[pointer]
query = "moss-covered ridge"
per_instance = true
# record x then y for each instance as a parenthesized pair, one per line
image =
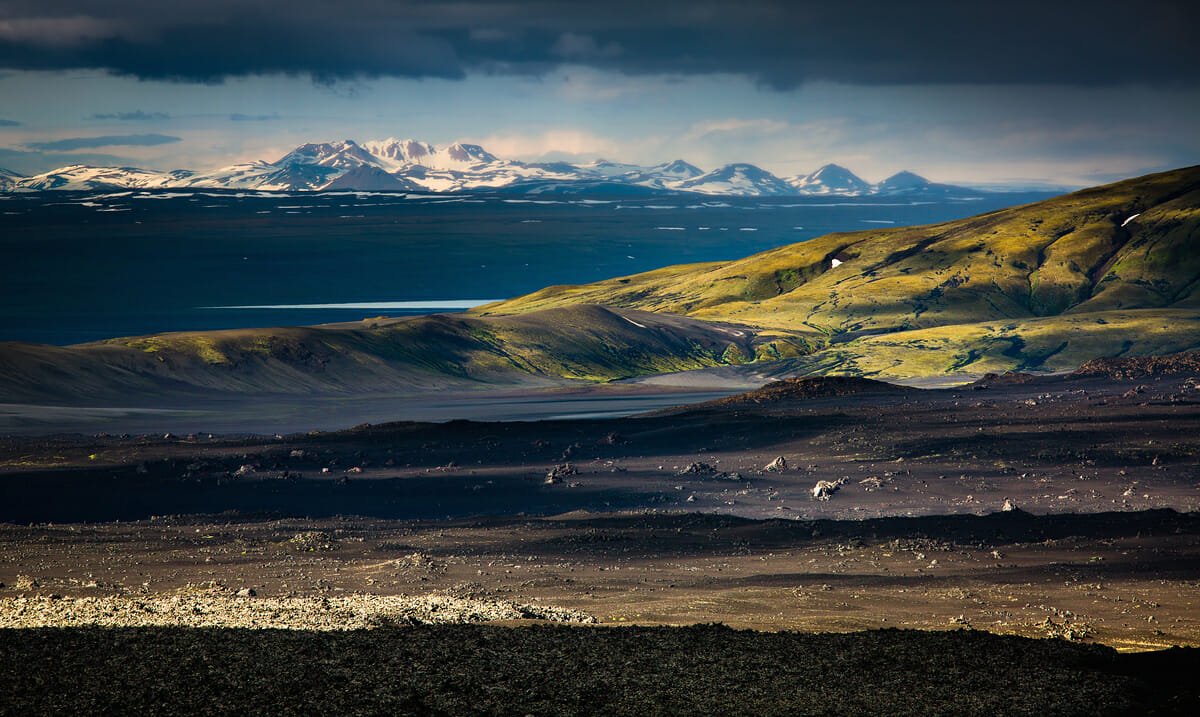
(1133, 244)
(1112, 270)
(583, 342)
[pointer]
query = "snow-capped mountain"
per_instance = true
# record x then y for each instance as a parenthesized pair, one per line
(738, 179)
(83, 177)
(406, 165)
(906, 183)
(679, 169)
(396, 154)
(830, 179)
(8, 180)
(338, 155)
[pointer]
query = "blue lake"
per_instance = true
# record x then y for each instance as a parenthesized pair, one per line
(80, 267)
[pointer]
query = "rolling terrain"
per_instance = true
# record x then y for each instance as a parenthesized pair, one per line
(1108, 271)
(581, 343)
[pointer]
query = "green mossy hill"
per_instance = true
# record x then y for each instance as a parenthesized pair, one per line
(583, 342)
(1108, 271)
(966, 351)
(1130, 245)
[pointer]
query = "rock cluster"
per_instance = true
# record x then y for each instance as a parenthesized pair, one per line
(244, 609)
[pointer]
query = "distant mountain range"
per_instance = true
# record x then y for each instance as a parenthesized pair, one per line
(409, 165)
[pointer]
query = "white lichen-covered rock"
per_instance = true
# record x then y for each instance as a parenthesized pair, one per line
(826, 488)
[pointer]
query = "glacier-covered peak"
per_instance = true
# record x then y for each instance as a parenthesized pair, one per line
(831, 179)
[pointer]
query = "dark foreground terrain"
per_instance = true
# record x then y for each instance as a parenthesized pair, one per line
(545, 670)
(972, 519)
(1125, 437)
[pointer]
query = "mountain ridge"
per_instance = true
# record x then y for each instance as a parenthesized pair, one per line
(421, 167)
(1111, 270)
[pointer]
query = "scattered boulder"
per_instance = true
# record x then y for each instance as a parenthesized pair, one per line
(1135, 367)
(777, 466)
(807, 387)
(613, 439)
(558, 472)
(244, 470)
(419, 562)
(1009, 506)
(1135, 391)
(246, 592)
(702, 469)
(313, 541)
(826, 488)
(25, 582)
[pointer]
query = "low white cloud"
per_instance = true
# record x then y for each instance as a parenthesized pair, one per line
(734, 126)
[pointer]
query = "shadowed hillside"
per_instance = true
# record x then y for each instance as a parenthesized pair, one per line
(587, 343)
(1042, 286)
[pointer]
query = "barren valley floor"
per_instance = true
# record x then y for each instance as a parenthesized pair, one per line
(664, 519)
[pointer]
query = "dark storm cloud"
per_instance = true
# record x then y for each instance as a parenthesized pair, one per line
(30, 163)
(779, 42)
(135, 116)
(127, 140)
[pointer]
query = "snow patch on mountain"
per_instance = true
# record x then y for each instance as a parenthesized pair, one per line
(9, 179)
(910, 184)
(370, 179)
(84, 177)
(830, 179)
(738, 179)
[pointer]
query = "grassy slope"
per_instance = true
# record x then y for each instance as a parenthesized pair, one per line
(1027, 287)
(1045, 286)
(588, 342)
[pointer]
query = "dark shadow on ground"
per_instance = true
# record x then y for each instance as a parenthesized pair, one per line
(551, 670)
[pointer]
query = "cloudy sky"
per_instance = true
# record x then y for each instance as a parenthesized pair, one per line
(1065, 92)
